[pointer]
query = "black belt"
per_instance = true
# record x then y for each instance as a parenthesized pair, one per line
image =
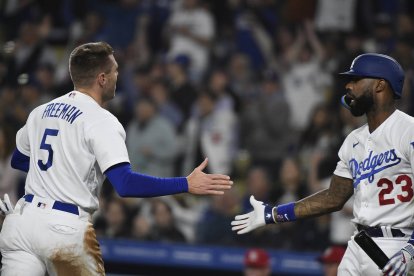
(376, 231)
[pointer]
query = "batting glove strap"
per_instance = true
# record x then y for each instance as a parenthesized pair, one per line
(268, 214)
(409, 249)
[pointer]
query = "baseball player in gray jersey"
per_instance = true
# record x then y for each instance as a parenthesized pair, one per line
(376, 165)
(68, 146)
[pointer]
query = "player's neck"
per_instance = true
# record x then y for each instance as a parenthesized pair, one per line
(91, 93)
(376, 117)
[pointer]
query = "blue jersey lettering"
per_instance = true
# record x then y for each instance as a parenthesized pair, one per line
(47, 110)
(373, 164)
(74, 116)
(69, 113)
(62, 111)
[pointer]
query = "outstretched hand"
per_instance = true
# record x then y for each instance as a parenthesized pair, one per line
(200, 183)
(6, 206)
(252, 220)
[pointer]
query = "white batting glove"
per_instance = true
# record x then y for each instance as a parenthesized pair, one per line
(6, 206)
(261, 215)
(401, 262)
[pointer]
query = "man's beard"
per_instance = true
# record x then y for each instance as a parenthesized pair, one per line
(361, 105)
(108, 95)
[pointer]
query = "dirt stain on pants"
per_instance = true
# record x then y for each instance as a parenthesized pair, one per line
(88, 262)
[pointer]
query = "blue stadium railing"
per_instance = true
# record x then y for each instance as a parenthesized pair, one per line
(203, 257)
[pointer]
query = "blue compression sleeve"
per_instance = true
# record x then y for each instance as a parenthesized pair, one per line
(20, 161)
(131, 184)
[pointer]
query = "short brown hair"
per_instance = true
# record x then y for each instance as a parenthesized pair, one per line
(88, 60)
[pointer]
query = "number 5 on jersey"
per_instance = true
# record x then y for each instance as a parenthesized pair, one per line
(48, 147)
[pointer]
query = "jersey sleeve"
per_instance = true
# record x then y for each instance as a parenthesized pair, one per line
(342, 168)
(22, 141)
(106, 139)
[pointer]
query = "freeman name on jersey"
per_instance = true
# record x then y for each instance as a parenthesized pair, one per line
(372, 165)
(63, 111)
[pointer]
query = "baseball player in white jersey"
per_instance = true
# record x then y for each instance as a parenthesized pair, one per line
(68, 146)
(376, 165)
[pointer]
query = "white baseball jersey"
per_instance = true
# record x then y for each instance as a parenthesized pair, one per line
(381, 166)
(71, 141)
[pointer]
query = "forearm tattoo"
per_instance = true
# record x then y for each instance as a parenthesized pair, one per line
(326, 201)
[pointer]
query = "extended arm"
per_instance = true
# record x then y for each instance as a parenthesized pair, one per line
(131, 184)
(320, 203)
(326, 201)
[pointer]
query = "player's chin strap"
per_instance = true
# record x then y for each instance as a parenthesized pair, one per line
(344, 101)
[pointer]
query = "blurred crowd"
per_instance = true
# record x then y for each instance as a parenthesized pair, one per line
(250, 84)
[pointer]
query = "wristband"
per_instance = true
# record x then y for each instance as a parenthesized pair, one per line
(286, 212)
(409, 248)
(268, 214)
(411, 240)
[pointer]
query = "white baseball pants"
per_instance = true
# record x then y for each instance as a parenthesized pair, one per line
(36, 239)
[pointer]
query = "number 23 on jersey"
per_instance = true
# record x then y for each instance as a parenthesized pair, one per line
(406, 194)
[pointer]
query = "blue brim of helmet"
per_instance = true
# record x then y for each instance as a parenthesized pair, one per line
(351, 74)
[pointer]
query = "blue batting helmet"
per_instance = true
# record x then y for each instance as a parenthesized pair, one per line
(378, 66)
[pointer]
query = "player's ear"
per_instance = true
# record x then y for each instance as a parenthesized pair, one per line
(102, 79)
(380, 85)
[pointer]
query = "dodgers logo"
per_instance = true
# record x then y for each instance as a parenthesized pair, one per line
(371, 165)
